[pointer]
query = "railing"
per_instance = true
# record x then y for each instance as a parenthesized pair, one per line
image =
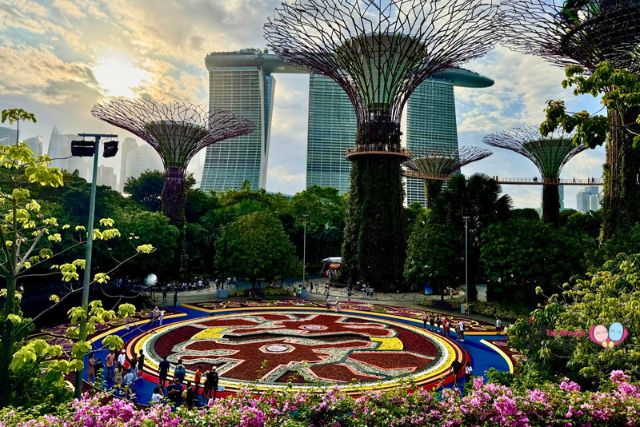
(512, 181)
(378, 150)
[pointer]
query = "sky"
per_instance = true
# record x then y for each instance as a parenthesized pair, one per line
(60, 57)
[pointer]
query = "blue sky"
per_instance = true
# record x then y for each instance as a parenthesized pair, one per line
(59, 57)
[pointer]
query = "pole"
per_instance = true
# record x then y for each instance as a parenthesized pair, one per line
(304, 250)
(466, 261)
(82, 336)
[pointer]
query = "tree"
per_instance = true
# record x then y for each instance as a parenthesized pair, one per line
(146, 189)
(433, 256)
(29, 238)
(155, 229)
(477, 198)
(324, 210)
(254, 247)
(620, 94)
(519, 255)
(610, 295)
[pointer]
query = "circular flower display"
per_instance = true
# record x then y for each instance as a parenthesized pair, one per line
(303, 348)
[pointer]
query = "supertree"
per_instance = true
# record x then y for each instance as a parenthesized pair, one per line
(379, 51)
(177, 131)
(585, 33)
(441, 164)
(549, 154)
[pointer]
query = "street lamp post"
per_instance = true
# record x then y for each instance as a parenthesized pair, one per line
(466, 261)
(304, 249)
(84, 149)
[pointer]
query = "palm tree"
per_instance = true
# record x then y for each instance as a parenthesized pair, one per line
(479, 198)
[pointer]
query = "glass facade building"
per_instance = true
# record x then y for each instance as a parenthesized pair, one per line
(248, 92)
(242, 82)
(429, 127)
(331, 131)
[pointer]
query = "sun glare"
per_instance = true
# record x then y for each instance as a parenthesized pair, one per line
(117, 75)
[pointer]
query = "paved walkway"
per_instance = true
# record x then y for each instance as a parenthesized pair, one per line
(409, 300)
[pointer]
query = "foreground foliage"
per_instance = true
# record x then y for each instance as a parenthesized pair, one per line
(610, 295)
(484, 404)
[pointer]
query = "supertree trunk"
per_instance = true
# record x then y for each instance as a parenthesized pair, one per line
(431, 190)
(621, 198)
(550, 204)
(374, 246)
(173, 200)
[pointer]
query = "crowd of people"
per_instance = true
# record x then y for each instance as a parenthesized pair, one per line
(120, 374)
(435, 322)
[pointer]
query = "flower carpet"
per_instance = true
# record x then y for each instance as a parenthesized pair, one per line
(301, 346)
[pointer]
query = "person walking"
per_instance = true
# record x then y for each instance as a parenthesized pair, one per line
(134, 364)
(160, 317)
(424, 320)
(163, 371)
(164, 296)
(122, 357)
(461, 330)
(175, 298)
(498, 326)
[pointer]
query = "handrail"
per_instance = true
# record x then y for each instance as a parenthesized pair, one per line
(512, 181)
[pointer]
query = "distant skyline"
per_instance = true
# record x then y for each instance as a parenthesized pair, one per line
(59, 57)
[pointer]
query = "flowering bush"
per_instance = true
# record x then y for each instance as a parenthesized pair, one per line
(484, 404)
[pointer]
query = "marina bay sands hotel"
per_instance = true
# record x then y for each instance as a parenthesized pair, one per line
(243, 82)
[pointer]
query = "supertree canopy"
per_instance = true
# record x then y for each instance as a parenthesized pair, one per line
(379, 51)
(587, 32)
(440, 164)
(583, 32)
(549, 154)
(177, 131)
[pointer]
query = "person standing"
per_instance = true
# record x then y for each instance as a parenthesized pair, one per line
(175, 393)
(91, 371)
(134, 364)
(214, 381)
(140, 364)
(468, 373)
(461, 328)
(498, 325)
(180, 371)
(190, 398)
(455, 368)
(175, 298)
(424, 319)
(164, 371)
(122, 357)
(110, 365)
(160, 317)
(164, 295)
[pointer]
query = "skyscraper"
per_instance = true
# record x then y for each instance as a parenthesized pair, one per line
(588, 199)
(428, 126)
(241, 82)
(128, 145)
(7, 135)
(107, 176)
(36, 144)
(331, 131)
(60, 149)
(141, 159)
